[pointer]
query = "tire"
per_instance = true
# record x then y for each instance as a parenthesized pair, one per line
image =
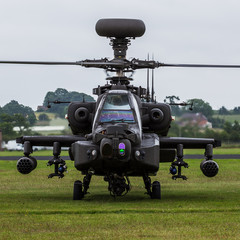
(77, 190)
(156, 190)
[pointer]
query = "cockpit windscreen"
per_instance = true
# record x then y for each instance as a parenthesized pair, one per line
(117, 108)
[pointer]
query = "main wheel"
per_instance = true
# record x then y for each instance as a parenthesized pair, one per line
(77, 190)
(156, 190)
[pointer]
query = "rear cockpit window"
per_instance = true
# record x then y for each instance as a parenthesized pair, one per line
(116, 108)
(116, 102)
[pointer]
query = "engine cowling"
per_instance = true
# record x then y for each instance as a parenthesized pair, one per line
(156, 117)
(80, 116)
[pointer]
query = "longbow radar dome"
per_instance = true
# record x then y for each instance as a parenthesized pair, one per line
(120, 28)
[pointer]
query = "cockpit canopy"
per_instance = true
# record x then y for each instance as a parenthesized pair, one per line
(116, 108)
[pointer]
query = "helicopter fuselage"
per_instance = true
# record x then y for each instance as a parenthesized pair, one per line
(117, 143)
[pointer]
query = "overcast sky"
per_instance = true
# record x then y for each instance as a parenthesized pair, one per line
(177, 31)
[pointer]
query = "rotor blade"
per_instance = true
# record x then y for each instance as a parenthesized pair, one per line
(39, 62)
(100, 64)
(86, 63)
(198, 65)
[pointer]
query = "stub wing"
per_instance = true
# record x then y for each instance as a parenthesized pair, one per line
(171, 148)
(64, 140)
(189, 143)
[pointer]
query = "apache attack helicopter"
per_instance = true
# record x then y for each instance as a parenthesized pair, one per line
(123, 133)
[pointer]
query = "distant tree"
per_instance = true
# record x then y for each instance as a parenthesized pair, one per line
(6, 126)
(7, 131)
(227, 127)
(8, 122)
(5, 118)
(62, 94)
(175, 130)
(43, 117)
(217, 122)
(233, 131)
(199, 106)
(236, 126)
(223, 111)
(21, 122)
(31, 119)
(172, 99)
(14, 107)
(236, 110)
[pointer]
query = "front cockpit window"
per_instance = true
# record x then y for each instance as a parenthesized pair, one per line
(117, 116)
(116, 108)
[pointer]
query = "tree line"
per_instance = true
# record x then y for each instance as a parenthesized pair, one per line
(222, 130)
(23, 117)
(62, 94)
(17, 115)
(198, 106)
(230, 133)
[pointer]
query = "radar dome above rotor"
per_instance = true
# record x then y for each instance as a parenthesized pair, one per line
(120, 28)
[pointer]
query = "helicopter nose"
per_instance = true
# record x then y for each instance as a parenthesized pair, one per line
(115, 148)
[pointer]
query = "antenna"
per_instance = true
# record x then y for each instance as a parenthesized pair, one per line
(148, 92)
(152, 98)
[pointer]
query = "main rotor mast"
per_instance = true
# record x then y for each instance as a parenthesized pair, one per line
(120, 32)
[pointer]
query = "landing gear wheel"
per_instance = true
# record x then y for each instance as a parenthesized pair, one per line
(156, 190)
(77, 190)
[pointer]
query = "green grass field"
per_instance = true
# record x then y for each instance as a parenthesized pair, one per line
(229, 118)
(35, 207)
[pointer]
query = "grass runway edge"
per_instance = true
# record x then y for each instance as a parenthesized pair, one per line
(34, 207)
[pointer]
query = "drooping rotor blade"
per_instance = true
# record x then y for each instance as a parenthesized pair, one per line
(104, 64)
(197, 65)
(120, 64)
(39, 62)
(101, 63)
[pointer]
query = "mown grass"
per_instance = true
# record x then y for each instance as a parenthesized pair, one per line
(228, 118)
(34, 207)
(216, 151)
